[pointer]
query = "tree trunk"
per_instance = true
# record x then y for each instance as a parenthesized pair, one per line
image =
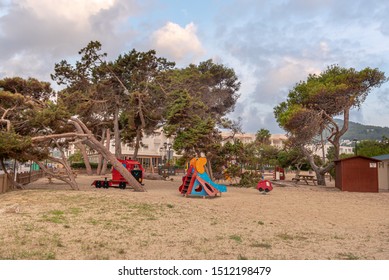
(137, 143)
(99, 165)
(100, 159)
(92, 142)
(84, 154)
(209, 169)
(320, 171)
(107, 144)
(70, 178)
(139, 128)
(298, 167)
(321, 181)
(118, 146)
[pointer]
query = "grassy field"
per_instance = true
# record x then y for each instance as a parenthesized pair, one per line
(51, 222)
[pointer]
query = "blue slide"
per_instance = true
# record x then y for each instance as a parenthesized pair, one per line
(205, 177)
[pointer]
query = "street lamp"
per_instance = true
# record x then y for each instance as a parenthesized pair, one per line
(162, 157)
(167, 148)
(356, 146)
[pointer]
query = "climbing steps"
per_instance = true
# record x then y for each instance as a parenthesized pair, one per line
(187, 181)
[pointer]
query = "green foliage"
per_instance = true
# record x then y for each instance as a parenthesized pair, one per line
(51, 115)
(9, 100)
(27, 87)
(309, 111)
(76, 158)
(14, 146)
(249, 179)
(312, 104)
(263, 136)
(236, 238)
(81, 165)
(292, 158)
(143, 74)
(197, 100)
(195, 137)
(234, 170)
(371, 148)
(125, 94)
(27, 113)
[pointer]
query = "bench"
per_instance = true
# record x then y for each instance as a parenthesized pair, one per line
(305, 178)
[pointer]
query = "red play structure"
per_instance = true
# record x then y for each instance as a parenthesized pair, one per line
(133, 166)
(264, 186)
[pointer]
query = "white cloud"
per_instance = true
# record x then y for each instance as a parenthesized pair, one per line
(324, 47)
(72, 10)
(35, 34)
(271, 45)
(178, 43)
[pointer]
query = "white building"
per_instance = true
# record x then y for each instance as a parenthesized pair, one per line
(156, 149)
(318, 150)
(276, 140)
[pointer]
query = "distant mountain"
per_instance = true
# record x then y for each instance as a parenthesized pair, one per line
(363, 132)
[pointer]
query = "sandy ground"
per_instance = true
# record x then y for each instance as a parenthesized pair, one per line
(49, 221)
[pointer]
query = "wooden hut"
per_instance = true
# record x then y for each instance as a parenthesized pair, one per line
(383, 173)
(357, 174)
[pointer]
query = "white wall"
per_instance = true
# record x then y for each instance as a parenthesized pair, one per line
(383, 176)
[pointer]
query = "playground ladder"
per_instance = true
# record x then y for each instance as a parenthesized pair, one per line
(188, 181)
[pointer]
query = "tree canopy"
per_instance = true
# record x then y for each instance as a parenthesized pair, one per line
(371, 148)
(125, 94)
(312, 105)
(132, 95)
(198, 98)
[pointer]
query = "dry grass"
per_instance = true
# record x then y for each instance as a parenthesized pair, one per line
(52, 222)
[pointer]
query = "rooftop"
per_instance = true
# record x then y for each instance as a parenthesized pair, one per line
(382, 157)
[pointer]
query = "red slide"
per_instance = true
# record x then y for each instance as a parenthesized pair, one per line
(211, 191)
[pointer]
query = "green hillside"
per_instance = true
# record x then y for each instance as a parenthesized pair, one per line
(364, 132)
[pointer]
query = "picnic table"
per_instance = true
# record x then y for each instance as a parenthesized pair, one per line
(305, 178)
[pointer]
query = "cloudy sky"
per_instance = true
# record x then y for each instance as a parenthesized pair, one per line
(271, 45)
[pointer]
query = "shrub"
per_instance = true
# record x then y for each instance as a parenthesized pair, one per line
(249, 180)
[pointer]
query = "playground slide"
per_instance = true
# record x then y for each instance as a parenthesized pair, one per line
(205, 187)
(197, 181)
(204, 176)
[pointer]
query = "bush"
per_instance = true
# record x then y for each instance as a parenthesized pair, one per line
(233, 170)
(249, 180)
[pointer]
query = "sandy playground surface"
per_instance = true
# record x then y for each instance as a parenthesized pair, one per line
(50, 221)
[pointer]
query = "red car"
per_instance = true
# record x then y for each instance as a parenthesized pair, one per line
(264, 186)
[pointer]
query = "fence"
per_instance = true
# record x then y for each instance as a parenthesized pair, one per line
(22, 178)
(28, 177)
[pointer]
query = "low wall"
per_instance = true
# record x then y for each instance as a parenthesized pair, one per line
(22, 178)
(4, 183)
